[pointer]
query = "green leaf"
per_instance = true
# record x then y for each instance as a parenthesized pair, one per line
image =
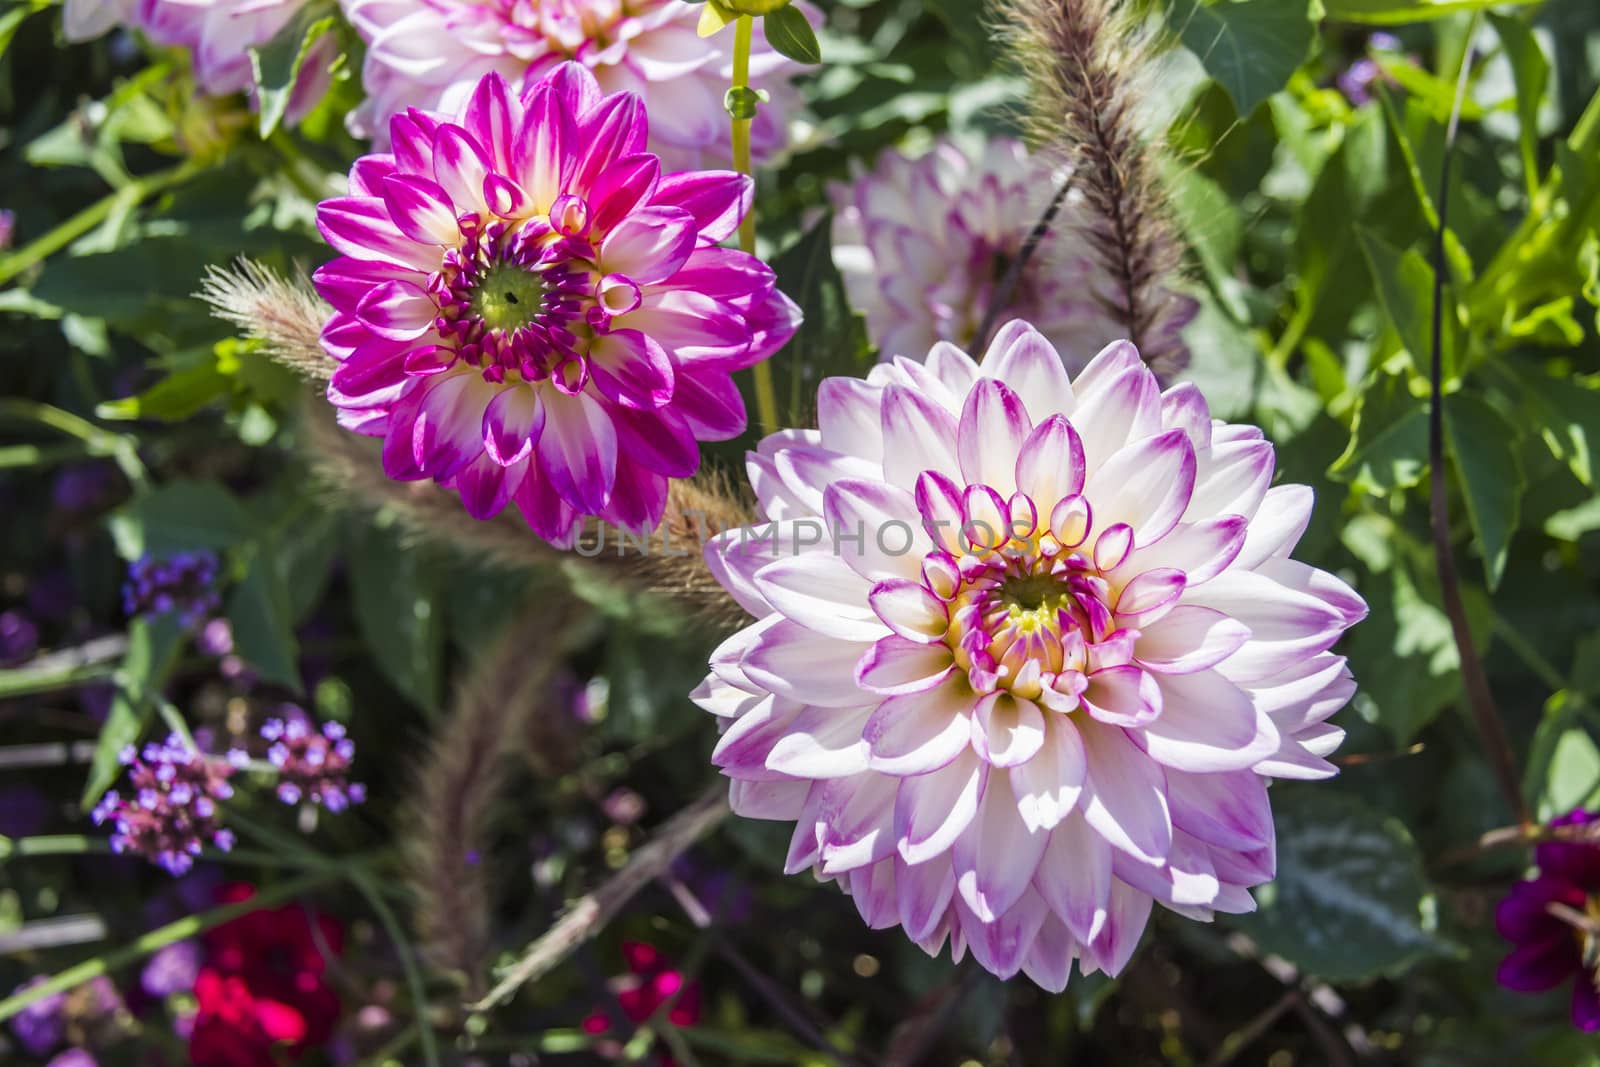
(263, 633)
(153, 648)
(1531, 72)
(176, 397)
(1250, 47)
(1404, 283)
(1388, 448)
(1573, 777)
(178, 517)
(398, 606)
(1350, 901)
(1483, 445)
(833, 339)
(1395, 12)
(788, 31)
(1567, 412)
(276, 66)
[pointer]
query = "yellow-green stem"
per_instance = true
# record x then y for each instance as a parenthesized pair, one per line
(743, 31)
(135, 192)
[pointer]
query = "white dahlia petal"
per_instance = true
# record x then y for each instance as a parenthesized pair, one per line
(1034, 659)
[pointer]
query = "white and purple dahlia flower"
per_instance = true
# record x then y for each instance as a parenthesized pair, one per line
(218, 35)
(1027, 649)
(529, 311)
(926, 243)
(431, 53)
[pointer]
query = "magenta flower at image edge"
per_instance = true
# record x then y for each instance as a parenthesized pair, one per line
(1018, 743)
(1549, 949)
(529, 312)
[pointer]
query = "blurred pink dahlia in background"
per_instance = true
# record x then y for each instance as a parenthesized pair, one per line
(431, 53)
(217, 34)
(527, 310)
(924, 245)
(1026, 651)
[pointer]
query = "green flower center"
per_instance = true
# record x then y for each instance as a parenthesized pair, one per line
(1034, 602)
(508, 298)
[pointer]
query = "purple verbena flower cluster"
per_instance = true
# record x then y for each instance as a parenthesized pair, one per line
(313, 765)
(171, 811)
(186, 584)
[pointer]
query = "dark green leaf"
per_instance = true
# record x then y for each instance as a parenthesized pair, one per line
(178, 517)
(263, 634)
(398, 605)
(1250, 47)
(1404, 283)
(277, 65)
(788, 31)
(153, 648)
(1483, 445)
(1395, 12)
(832, 340)
(1349, 901)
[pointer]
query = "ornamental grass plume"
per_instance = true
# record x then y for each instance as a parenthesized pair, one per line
(946, 246)
(432, 53)
(1083, 59)
(529, 312)
(1550, 920)
(1026, 651)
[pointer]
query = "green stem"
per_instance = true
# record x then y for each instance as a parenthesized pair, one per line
(134, 193)
(408, 963)
(24, 682)
(160, 938)
(122, 447)
(81, 845)
(13, 457)
(743, 32)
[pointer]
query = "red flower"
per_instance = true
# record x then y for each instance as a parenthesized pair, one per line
(263, 986)
(650, 983)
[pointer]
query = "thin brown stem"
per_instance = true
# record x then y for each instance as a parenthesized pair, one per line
(1475, 682)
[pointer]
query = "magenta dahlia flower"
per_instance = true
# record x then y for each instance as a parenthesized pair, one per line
(1026, 651)
(925, 243)
(431, 54)
(529, 311)
(1550, 920)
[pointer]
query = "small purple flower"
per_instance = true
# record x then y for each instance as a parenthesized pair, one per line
(1356, 80)
(39, 1027)
(19, 638)
(1549, 918)
(170, 812)
(171, 970)
(8, 228)
(186, 584)
(313, 766)
(83, 487)
(215, 638)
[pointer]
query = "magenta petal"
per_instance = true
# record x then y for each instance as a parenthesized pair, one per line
(1541, 965)
(360, 227)
(616, 128)
(485, 487)
(577, 449)
(895, 666)
(649, 245)
(574, 85)
(421, 209)
(660, 440)
(717, 200)
(459, 166)
(994, 425)
(543, 155)
(398, 311)
(511, 423)
(492, 117)
(631, 369)
(620, 189)
(1585, 1005)
(710, 404)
